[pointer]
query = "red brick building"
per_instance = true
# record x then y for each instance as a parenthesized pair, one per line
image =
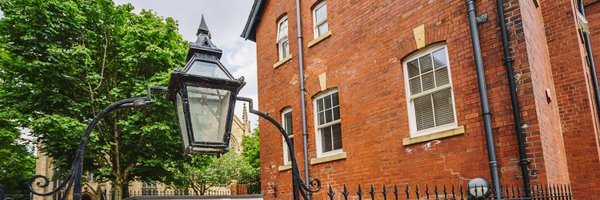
(392, 94)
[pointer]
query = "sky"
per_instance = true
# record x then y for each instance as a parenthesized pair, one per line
(226, 20)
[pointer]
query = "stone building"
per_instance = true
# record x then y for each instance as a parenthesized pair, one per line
(392, 95)
(93, 190)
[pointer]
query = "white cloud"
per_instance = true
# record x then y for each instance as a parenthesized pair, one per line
(241, 61)
(226, 20)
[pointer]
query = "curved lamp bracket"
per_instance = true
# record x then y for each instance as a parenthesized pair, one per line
(73, 179)
(299, 187)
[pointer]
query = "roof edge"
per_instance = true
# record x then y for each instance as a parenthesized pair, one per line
(249, 32)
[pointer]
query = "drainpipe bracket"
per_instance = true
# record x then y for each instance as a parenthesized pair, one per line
(508, 60)
(483, 18)
(524, 162)
(525, 125)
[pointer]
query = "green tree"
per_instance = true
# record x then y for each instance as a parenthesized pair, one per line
(16, 163)
(62, 61)
(201, 173)
(251, 155)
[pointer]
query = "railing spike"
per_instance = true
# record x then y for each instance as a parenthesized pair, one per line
(359, 193)
(558, 189)
(395, 192)
(345, 192)
(427, 190)
(561, 190)
(331, 193)
(512, 188)
(384, 192)
(372, 192)
(417, 192)
(407, 191)
(445, 193)
(435, 189)
(453, 192)
(570, 192)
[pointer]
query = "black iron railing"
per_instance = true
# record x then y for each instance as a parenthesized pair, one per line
(447, 192)
(173, 192)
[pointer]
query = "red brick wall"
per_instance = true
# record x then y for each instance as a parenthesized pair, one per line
(575, 100)
(363, 60)
(592, 10)
(549, 138)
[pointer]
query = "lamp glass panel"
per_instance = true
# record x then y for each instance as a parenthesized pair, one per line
(208, 112)
(207, 69)
(181, 120)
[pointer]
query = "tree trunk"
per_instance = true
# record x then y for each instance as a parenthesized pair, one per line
(118, 190)
(125, 189)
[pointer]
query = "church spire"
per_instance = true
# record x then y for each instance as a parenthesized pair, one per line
(246, 121)
(203, 28)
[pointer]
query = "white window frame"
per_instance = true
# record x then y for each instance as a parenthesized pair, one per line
(283, 38)
(286, 155)
(409, 99)
(318, 137)
(316, 23)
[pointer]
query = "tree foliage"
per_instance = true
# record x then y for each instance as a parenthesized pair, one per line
(251, 154)
(202, 172)
(63, 61)
(16, 163)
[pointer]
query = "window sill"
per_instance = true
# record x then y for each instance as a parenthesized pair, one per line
(319, 39)
(284, 167)
(339, 156)
(283, 61)
(434, 136)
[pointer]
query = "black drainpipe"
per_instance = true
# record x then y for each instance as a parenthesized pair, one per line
(302, 97)
(485, 107)
(590, 58)
(514, 100)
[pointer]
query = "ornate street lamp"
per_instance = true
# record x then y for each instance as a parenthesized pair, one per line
(204, 95)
